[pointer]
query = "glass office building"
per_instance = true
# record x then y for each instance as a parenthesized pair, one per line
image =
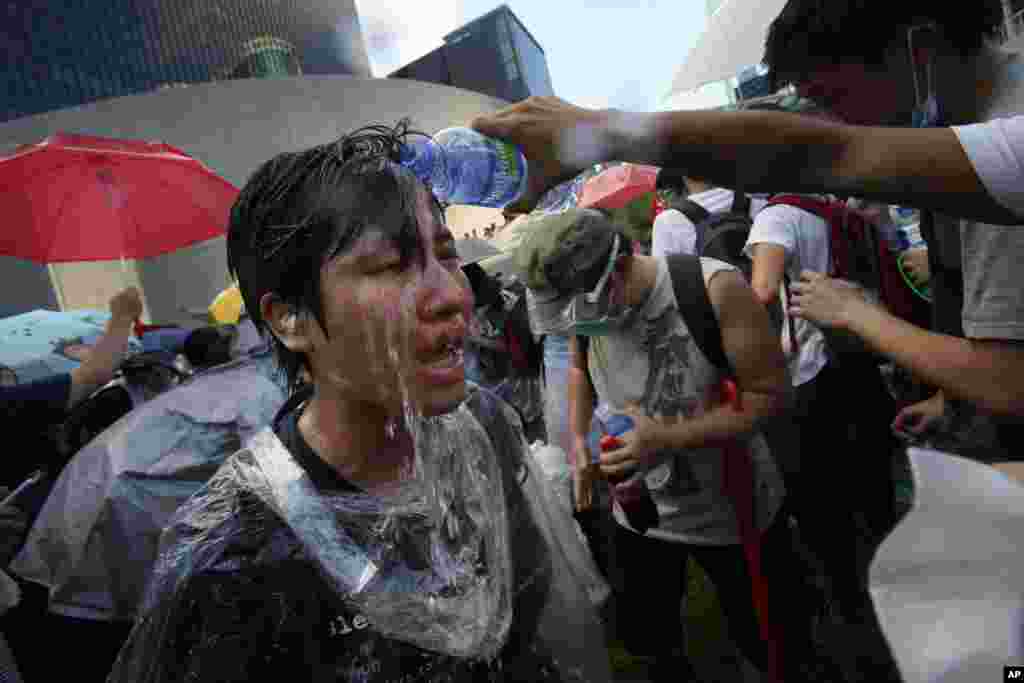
(63, 53)
(494, 55)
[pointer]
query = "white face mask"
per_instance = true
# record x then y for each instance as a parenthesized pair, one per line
(927, 112)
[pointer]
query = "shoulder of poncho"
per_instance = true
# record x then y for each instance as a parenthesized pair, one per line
(498, 418)
(229, 516)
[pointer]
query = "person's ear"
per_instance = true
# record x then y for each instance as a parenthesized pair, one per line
(292, 328)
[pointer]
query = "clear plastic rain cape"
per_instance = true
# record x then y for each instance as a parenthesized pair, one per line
(95, 539)
(453, 574)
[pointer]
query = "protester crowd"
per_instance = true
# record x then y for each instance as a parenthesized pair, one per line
(390, 523)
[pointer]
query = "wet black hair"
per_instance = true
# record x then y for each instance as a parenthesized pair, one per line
(300, 210)
(810, 33)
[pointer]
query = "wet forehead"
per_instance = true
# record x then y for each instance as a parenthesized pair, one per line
(375, 241)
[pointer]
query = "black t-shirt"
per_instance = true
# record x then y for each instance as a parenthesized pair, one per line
(286, 426)
(269, 612)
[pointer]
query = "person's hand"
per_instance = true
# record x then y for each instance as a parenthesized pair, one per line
(920, 417)
(584, 474)
(915, 262)
(126, 306)
(13, 527)
(583, 478)
(558, 139)
(827, 302)
(637, 448)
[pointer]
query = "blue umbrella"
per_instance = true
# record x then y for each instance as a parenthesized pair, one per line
(32, 344)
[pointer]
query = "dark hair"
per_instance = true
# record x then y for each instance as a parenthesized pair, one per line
(299, 210)
(207, 346)
(486, 289)
(791, 104)
(671, 179)
(808, 33)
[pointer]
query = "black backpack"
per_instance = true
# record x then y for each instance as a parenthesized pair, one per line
(152, 372)
(722, 236)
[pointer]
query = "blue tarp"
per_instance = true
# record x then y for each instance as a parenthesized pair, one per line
(30, 343)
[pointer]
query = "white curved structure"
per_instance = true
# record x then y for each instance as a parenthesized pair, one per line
(232, 126)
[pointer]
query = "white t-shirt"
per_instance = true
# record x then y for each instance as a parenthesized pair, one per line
(674, 233)
(996, 150)
(805, 237)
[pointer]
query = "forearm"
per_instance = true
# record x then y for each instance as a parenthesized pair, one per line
(723, 423)
(581, 407)
(103, 359)
(989, 374)
(758, 151)
(775, 152)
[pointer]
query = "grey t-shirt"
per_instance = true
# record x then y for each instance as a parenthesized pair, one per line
(657, 365)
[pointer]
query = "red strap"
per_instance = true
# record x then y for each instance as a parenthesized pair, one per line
(819, 207)
(738, 486)
(515, 349)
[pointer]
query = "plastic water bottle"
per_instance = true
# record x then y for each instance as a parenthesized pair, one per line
(907, 222)
(465, 167)
(631, 493)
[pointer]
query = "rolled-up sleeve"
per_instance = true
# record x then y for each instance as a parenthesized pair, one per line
(996, 150)
(673, 233)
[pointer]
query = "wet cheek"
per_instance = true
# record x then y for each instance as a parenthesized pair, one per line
(468, 299)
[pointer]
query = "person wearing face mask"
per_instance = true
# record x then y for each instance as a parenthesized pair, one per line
(642, 360)
(858, 59)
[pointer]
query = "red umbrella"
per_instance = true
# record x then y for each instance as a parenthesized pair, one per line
(618, 186)
(85, 198)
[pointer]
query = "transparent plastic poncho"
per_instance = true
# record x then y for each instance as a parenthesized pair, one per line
(460, 558)
(95, 539)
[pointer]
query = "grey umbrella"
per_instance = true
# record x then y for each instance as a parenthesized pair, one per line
(474, 249)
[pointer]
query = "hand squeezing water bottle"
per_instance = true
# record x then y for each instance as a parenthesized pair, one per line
(630, 492)
(464, 167)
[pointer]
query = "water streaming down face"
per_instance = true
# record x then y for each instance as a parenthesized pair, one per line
(444, 579)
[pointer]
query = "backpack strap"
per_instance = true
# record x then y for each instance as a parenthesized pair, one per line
(740, 203)
(790, 327)
(695, 308)
(693, 211)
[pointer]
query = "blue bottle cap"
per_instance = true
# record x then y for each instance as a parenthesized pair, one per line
(619, 424)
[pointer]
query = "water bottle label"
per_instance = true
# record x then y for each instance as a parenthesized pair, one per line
(483, 171)
(511, 172)
(903, 216)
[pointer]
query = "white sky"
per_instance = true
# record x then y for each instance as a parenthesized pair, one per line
(601, 53)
